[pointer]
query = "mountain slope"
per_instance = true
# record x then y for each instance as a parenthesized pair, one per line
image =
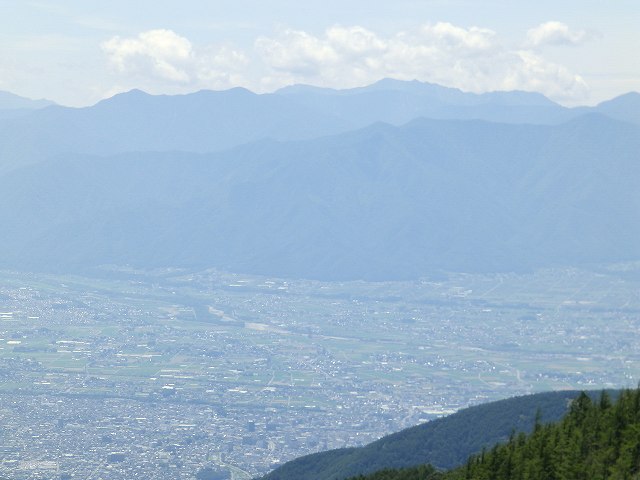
(13, 106)
(445, 442)
(204, 121)
(625, 107)
(380, 203)
(209, 121)
(596, 439)
(397, 102)
(10, 101)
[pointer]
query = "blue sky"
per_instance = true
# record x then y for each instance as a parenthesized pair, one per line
(77, 52)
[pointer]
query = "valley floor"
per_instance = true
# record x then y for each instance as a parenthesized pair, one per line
(177, 370)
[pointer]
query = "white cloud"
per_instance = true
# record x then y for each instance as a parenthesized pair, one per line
(555, 33)
(535, 74)
(165, 57)
(472, 59)
(297, 53)
(448, 37)
(160, 53)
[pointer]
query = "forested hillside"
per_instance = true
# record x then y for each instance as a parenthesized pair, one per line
(445, 442)
(596, 440)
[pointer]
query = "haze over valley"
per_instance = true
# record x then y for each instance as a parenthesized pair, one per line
(246, 244)
(125, 182)
(187, 312)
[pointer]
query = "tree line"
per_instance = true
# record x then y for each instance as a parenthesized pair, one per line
(597, 440)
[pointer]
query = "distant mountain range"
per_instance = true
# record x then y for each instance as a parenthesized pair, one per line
(444, 443)
(9, 101)
(210, 121)
(12, 106)
(310, 182)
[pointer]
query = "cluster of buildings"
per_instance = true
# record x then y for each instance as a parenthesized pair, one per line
(161, 378)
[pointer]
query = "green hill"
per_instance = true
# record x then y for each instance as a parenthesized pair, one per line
(596, 440)
(445, 442)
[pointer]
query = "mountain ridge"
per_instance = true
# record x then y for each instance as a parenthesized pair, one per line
(597, 438)
(11, 101)
(382, 202)
(445, 442)
(210, 121)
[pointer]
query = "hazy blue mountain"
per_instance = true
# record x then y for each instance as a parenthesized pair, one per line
(205, 121)
(445, 442)
(397, 102)
(379, 203)
(625, 107)
(14, 106)
(10, 101)
(452, 96)
(209, 121)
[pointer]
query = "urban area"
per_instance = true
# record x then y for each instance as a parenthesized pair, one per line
(160, 374)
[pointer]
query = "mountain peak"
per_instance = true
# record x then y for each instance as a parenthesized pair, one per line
(301, 89)
(518, 97)
(135, 95)
(11, 101)
(233, 90)
(628, 97)
(409, 86)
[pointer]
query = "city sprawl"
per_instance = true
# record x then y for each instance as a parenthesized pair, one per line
(159, 374)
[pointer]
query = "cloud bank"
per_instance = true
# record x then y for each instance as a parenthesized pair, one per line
(165, 57)
(472, 59)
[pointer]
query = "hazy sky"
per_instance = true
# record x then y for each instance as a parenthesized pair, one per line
(77, 52)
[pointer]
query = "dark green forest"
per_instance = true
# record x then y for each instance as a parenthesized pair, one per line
(597, 440)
